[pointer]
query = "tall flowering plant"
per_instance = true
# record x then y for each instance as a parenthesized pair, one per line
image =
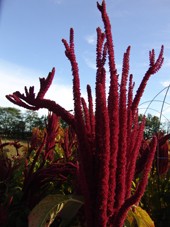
(109, 134)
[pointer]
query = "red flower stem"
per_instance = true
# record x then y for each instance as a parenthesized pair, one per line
(102, 158)
(91, 112)
(135, 198)
(86, 115)
(85, 155)
(121, 157)
(113, 108)
(133, 159)
(154, 67)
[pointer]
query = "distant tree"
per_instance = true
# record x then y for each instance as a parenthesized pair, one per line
(152, 125)
(18, 125)
(32, 120)
(166, 125)
(11, 122)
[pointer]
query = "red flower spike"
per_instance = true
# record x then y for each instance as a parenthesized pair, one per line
(32, 103)
(159, 62)
(99, 58)
(154, 67)
(133, 159)
(85, 159)
(105, 51)
(91, 113)
(132, 137)
(135, 198)
(86, 115)
(130, 92)
(65, 145)
(102, 158)
(71, 38)
(100, 41)
(30, 95)
(113, 108)
(108, 33)
(121, 156)
(17, 101)
(152, 57)
(51, 130)
(101, 52)
(45, 84)
(76, 81)
(129, 111)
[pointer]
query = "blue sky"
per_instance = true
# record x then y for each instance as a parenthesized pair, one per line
(30, 44)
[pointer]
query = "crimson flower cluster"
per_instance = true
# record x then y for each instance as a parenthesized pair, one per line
(109, 134)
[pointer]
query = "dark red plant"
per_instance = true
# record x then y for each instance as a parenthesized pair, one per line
(50, 169)
(162, 153)
(109, 136)
(51, 131)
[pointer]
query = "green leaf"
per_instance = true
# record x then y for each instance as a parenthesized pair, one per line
(142, 218)
(47, 209)
(69, 211)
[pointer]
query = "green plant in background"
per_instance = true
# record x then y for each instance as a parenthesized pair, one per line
(17, 125)
(156, 199)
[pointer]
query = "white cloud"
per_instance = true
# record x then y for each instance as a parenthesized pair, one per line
(165, 83)
(15, 78)
(91, 39)
(62, 95)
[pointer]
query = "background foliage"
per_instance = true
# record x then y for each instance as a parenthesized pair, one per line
(18, 125)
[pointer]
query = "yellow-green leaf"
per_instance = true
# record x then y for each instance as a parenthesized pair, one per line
(47, 209)
(142, 217)
(130, 220)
